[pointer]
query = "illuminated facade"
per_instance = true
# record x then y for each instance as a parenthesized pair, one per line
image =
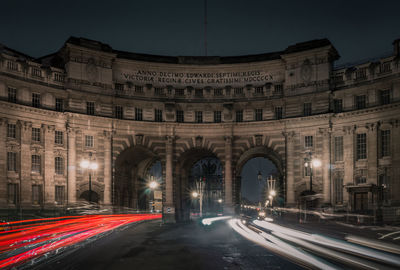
(127, 110)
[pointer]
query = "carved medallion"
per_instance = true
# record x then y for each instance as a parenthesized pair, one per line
(91, 70)
(306, 71)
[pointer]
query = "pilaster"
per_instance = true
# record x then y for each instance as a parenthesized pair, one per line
(107, 167)
(48, 170)
(71, 133)
(290, 194)
(228, 175)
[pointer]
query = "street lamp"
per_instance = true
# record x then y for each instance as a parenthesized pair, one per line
(271, 188)
(92, 166)
(311, 163)
(153, 185)
(199, 193)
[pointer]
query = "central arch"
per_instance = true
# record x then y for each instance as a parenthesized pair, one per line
(183, 175)
(256, 152)
(131, 173)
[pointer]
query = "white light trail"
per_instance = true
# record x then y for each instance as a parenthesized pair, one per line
(209, 221)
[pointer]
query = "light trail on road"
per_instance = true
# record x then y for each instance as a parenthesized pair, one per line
(317, 251)
(22, 241)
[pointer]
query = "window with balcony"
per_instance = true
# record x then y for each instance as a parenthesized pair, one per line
(36, 164)
(59, 165)
(307, 109)
(158, 117)
(138, 114)
(239, 116)
(90, 108)
(36, 100)
(217, 117)
(361, 146)
(12, 94)
(180, 117)
(198, 117)
(258, 114)
(36, 132)
(361, 102)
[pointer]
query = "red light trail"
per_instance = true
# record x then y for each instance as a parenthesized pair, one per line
(25, 240)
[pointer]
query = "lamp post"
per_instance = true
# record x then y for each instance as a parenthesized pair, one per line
(199, 193)
(259, 178)
(311, 163)
(92, 166)
(153, 184)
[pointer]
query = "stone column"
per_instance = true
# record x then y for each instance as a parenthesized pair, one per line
(228, 175)
(25, 164)
(372, 153)
(325, 163)
(169, 208)
(394, 185)
(107, 167)
(49, 169)
(71, 165)
(290, 157)
(348, 160)
(3, 162)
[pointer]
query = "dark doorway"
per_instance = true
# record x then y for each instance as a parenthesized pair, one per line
(361, 201)
(90, 196)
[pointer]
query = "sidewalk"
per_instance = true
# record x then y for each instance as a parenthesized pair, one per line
(338, 228)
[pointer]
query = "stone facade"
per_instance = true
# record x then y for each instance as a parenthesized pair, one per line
(126, 111)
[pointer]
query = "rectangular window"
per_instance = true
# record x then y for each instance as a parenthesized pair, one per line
(337, 105)
(258, 114)
(59, 165)
(361, 73)
(238, 91)
(12, 65)
(361, 177)
(384, 97)
(384, 67)
(11, 161)
(37, 194)
(307, 171)
(58, 77)
(59, 105)
(278, 113)
(360, 102)
(36, 164)
(138, 89)
(12, 193)
(12, 94)
(36, 100)
(308, 141)
(158, 117)
(278, 89)
(58, 137)
(179, 92)
(218, 92)
(307, 109)
(118, 112)
(198, 117)
(239, 116)
(338, 146)
(385, 143)
(11, 131)
(158, 91)
(138, 114)
(89, 141)
(217, 117)
(338, 186)
(36, 134)
(60, 194)
(361, 146)
(36, 72)
(259, 90)
(119, 87)
(90, 108)
(198, 92)
(180, 117)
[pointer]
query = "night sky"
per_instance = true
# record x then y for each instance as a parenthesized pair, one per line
(358, 29)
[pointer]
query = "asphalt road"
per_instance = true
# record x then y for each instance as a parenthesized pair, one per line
(151, 245)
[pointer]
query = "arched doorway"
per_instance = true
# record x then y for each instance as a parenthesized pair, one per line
(197, 166)
(131, 178)
(259, 171)
(90, 196)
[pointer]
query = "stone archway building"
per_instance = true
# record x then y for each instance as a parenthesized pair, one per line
(127, 110)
